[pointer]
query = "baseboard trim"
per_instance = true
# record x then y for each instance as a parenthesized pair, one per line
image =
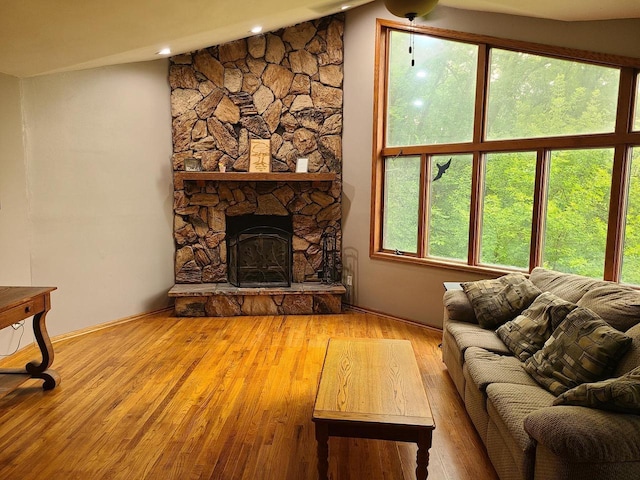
(356, 309)
(103, 326)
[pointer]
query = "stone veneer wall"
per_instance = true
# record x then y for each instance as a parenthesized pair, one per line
(285, 86)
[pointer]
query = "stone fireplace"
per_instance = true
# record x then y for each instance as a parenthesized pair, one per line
(284, 86)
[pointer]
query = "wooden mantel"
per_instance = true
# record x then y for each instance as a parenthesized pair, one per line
(180, 177)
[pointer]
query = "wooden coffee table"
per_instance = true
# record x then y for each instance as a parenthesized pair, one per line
(372, 389)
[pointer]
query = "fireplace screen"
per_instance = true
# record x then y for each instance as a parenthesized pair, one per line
(260, 256)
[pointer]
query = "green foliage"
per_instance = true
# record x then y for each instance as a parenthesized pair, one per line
(578, 209)
(431, 102)
(449, 208)
(535, 96)
(507, 208)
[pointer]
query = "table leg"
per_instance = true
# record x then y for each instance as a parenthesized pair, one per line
(51, 379)
(322, 437)
(424, 444)
(42, 337)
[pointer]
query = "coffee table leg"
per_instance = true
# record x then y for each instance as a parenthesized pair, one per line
(322, 437)
(424, 444)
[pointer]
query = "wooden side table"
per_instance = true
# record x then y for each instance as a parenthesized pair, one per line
(19, 303)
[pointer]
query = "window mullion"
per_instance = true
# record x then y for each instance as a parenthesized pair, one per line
(475, 217)
(539, 208)
(482, 75)
(480, 117)
(423, 209)
(619, 180)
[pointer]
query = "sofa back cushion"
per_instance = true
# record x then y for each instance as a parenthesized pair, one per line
(631, 359)
(618, 305)
(565, 285)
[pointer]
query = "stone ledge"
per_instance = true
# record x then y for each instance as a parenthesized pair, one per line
(225, 300)
(208, 289)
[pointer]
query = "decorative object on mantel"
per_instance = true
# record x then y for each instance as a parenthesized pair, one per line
(302, 164)
(260, 157)
(410, 8)
(192, 165)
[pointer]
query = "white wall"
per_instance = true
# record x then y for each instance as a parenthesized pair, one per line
(98, 148)
(14, 226)
(15, 263)
(410, 291)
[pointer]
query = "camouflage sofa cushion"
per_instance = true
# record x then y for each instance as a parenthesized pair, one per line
(584, 348)
(526, 334)
(497, 300)
(621, 394)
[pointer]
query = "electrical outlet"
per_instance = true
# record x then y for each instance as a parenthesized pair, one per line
(349, 280)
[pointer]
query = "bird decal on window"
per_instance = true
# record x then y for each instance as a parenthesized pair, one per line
(441, 169)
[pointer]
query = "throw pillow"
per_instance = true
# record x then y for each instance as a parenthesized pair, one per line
(584, 348)
(620, 394)
(498, 300)
(526, 334)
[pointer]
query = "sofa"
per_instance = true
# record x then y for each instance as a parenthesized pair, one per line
(536, 420)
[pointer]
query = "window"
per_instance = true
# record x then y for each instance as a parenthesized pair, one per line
(421, 96)
(499, 155)
(577, 211)
(507, 208)
(402, 187)
(449, 203)
(538, 96)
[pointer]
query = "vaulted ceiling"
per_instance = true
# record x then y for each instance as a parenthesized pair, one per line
(44, 36)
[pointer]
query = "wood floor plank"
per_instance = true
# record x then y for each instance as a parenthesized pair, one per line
(216, 398)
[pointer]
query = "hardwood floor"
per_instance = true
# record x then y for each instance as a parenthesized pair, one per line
(216, 398)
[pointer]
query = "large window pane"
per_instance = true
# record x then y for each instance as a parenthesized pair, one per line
(450, 203)
(508, 208)
(631, 252)
(401, 204)
(577, 212)
(536, 96)
(433, 101)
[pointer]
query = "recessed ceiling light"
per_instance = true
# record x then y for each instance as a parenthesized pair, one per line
(345, 7)
(256, 29)
(165, 51)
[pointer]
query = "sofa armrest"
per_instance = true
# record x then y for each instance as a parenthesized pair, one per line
(585, 434)
(457, 307)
